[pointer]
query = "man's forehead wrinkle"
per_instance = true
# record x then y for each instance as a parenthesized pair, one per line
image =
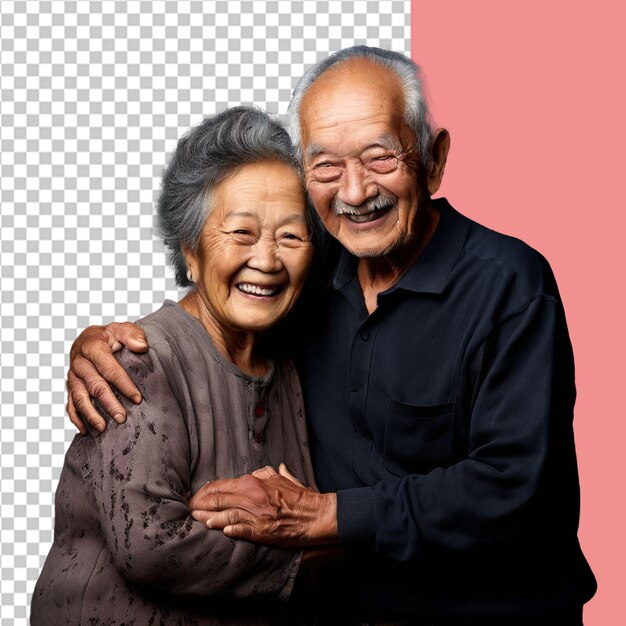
(386, 140)
(353, 119)
(343, 111)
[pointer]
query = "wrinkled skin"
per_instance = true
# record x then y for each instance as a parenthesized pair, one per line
(267, 506)
(93, 368)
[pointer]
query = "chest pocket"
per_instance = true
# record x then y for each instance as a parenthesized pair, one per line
(418, 438)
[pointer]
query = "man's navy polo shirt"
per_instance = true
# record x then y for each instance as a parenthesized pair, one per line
(443, 420)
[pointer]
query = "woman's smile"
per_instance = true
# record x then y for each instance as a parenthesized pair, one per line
(256, 290)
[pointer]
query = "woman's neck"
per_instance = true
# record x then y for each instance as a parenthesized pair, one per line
(238, 347)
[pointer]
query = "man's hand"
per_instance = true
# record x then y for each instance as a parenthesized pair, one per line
(268, 507)
(93, 368)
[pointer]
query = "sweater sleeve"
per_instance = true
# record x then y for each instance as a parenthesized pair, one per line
(520, 453)
(145, 479)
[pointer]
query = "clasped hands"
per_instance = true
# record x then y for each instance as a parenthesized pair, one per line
(268, 507)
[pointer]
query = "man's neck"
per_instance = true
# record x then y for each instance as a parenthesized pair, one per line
(377, 274)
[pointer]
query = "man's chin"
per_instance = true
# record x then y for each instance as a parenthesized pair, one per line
(372, 252)
(380, 248)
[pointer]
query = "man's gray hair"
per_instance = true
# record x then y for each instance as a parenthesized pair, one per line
(204, 157)
(416, 110)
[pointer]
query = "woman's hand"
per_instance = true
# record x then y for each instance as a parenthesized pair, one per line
(268, 507)
(93, 368)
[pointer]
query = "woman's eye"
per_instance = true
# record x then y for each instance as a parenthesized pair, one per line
(243, 236)
(291, 239)
(239, 232)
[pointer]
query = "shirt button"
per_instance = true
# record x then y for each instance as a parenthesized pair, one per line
(365, 335)
(357, 387)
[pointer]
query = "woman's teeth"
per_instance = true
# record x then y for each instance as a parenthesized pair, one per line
(257, 290)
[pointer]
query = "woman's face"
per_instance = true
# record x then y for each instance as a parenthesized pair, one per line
(254, 250)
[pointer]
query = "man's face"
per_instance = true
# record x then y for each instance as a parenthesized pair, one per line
(360, 158)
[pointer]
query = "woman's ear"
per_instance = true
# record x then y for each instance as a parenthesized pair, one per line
(190, 262)
(439, 154)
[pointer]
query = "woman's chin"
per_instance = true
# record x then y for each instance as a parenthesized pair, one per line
(261, 313)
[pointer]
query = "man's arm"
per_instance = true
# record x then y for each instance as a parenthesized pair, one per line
(93, 369)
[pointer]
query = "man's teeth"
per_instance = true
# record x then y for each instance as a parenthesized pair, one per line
(256, 290)
(367, 216)
(359, 219)
(364, 217)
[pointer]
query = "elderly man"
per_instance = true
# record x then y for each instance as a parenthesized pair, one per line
(438, 379)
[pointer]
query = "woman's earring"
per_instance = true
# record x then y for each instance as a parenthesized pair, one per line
(189, 275)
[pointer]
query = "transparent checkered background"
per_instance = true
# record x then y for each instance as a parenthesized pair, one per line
(93, 97)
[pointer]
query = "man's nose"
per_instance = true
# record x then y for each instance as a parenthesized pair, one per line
(356, 185)
(265, 255)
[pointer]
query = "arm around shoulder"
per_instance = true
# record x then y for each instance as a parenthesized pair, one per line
(93, 370)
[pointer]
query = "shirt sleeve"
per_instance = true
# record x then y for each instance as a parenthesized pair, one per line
(520, 452)
(145, 478)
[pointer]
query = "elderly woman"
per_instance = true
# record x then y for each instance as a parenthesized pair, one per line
(217, 403)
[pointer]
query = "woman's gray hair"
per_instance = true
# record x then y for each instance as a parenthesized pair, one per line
(416, 111)
(204, 157)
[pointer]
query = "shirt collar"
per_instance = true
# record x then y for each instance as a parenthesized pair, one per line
(430, 271)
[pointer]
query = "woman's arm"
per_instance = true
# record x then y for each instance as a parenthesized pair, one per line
(146, 479)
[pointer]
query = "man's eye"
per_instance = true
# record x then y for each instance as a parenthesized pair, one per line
(383, 164)
(240, 231)
(325, 171)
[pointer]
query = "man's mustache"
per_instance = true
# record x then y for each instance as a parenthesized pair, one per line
(369, 206)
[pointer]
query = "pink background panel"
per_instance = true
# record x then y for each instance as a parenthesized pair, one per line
(533, 95)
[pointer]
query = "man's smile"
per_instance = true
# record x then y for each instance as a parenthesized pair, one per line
(369, 211)
(367, 216)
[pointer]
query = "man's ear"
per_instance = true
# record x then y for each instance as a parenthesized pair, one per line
(439, 154)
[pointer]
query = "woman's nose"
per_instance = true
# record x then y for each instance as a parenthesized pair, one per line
(265, 255)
